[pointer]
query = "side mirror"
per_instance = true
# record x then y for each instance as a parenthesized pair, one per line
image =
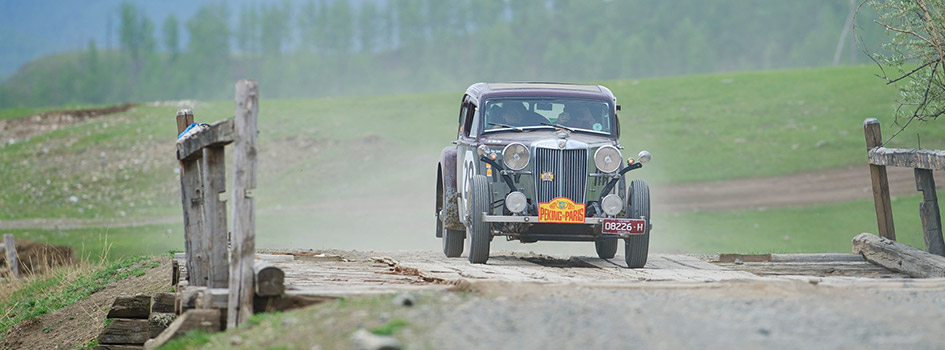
(643, 157)
(618, 107)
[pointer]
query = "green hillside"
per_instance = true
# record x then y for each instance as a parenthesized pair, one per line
(358, 173)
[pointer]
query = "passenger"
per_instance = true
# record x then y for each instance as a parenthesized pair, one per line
(577, 116)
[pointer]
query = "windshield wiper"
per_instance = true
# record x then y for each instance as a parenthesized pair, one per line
(556, 125)
(507, 126)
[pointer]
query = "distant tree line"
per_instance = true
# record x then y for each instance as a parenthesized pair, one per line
(337, 47)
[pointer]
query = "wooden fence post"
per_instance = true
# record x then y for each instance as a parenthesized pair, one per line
(884, 217)
(214, 179)
(928, 211)
(10, 245)
(240, 303)
(192, 191)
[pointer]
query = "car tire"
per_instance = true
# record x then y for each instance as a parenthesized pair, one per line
(637, 246)
(480, 236)
(453, 240)
(606, 247)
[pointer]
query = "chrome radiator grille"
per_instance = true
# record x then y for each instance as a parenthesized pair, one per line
(569, 169)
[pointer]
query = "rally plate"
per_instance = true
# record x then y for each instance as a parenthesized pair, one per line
(624, 226)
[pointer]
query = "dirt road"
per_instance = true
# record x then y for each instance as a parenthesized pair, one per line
(824, 186)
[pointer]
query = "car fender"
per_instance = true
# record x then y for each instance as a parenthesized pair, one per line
(448, 167)
(447, 174)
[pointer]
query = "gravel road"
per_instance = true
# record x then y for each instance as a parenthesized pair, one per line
(720, 315)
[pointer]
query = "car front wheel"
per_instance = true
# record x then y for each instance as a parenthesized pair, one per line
(637, 246)
(480, 237)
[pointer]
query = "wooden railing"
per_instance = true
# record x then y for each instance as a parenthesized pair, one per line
(923, 162)
(209, 261)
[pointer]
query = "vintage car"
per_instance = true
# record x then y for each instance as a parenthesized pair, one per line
(540, 162)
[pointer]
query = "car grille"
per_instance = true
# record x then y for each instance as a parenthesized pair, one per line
(569, 168)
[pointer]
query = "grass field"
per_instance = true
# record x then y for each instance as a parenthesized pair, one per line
(358, 173)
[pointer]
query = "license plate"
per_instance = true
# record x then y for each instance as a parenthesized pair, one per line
(624, 226)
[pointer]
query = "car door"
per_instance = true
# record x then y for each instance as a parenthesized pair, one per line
(467, 160)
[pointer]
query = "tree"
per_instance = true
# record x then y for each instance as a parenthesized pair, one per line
(369, 24)
(128, 30)
(274, 32)
(209, 49)
(916, 52)
(171, 36)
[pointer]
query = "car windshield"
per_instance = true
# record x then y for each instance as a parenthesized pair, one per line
(523, 113)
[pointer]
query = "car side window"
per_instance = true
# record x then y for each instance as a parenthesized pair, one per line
(471, 121)
(462, 120)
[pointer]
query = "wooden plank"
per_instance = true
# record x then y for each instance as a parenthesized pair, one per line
(218, 134)
(125, 331)
(907, 157)
(207, 320)
(817, 257)
(928, 212)
(128, 306)
(214, 178)
(270, 280)
(10, 247)
(898, 257)
(730, 258)
(191, 189)
(879, 181)
(195, 237)
(240, 306)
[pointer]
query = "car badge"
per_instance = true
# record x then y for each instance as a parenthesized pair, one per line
(547, 176)
(562, 143)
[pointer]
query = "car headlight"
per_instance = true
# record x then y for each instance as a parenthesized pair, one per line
(515, 156)
(612, 204)
(607, 159)
(516, 202)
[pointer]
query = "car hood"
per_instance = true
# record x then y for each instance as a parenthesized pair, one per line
(545, 138)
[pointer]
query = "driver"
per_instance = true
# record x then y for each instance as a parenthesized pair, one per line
(515, 114)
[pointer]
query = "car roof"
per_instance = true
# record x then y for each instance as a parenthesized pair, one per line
(479, 91)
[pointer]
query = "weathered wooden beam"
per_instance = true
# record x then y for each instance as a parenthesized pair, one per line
(214, 165)
(218, 134)
(907, 157)
(192, 198)
(928, 212)
(207, 320)
(270, 280)
(130, 306)
(898, 257)
(125, 331)
(175, 272)
(213, 298)
(9, 245)
(240, 306)
(880, 183)
(163, 302)
(185, 117)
